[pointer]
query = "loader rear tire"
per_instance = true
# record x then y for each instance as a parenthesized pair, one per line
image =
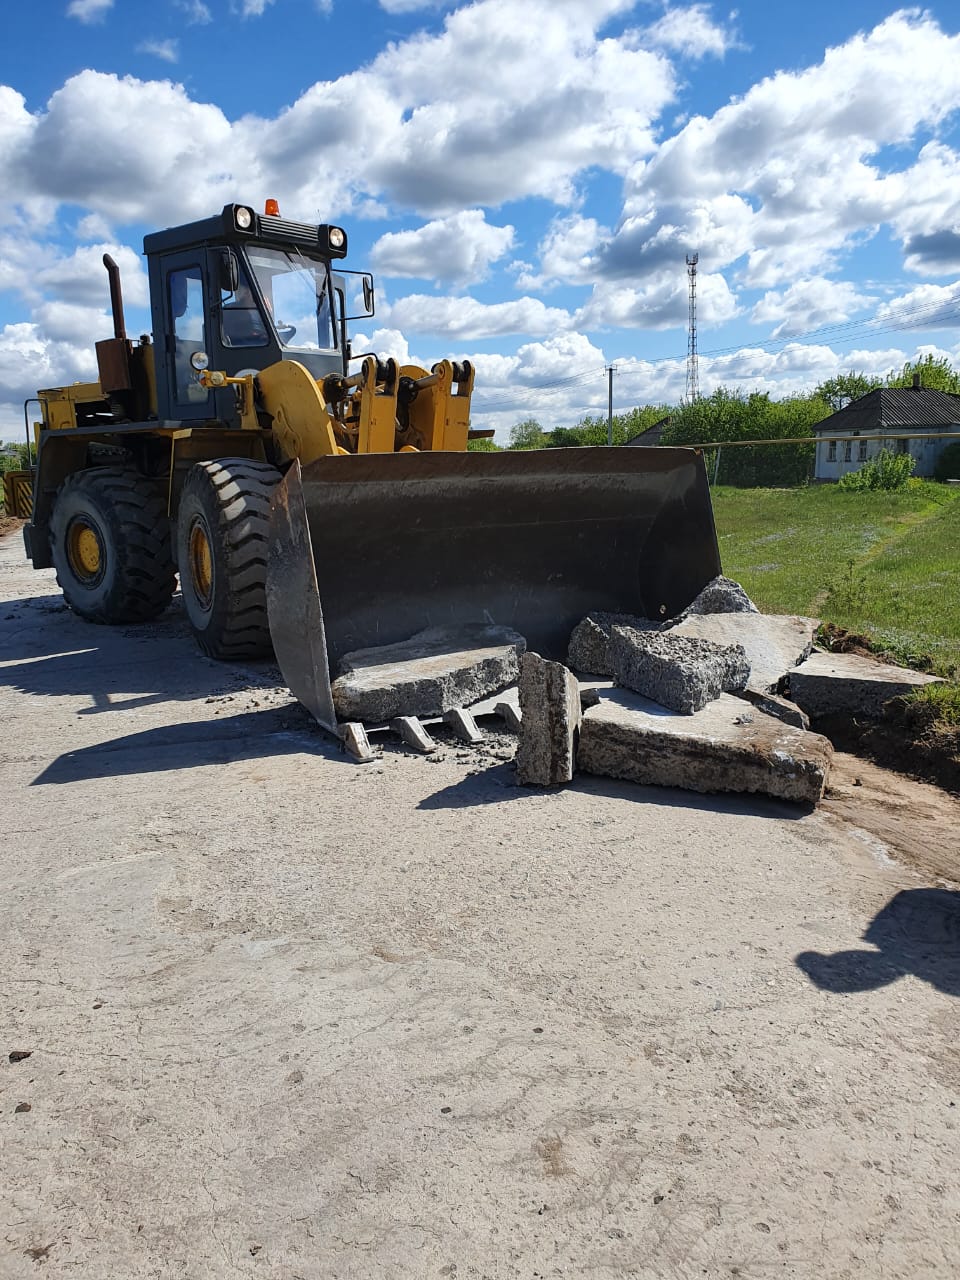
(222, 531)
(111, 545)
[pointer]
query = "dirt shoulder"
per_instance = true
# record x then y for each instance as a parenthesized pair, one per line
(914, 822)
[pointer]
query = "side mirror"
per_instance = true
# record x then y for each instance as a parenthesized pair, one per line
(229, 271)
(366, 288)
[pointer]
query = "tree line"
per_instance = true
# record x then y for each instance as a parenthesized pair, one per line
(728, 415)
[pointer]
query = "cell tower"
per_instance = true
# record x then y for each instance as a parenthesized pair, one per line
(693, 375)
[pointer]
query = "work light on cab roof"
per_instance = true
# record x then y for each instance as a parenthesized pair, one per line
(330, 240)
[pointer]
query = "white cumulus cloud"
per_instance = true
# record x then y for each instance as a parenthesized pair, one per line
(89, 10)
(197, 13)
(167, 50)
(787, 176)
(807, 305)
(459, 249)
(252, 8)
(929, 306)
(690, 32)
(467, 319)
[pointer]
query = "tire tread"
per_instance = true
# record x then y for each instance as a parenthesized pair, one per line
(242, 490)
(145, 571)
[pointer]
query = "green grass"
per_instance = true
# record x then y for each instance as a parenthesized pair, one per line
(941, 703)
(883, 564)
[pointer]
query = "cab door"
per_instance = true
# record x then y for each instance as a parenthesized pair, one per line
(186, 330)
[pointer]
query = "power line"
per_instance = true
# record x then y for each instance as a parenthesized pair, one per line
(895, 322)
(507, 400)
(848, 329)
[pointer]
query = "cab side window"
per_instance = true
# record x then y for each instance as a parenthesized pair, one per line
(186, 308)
(241, 324)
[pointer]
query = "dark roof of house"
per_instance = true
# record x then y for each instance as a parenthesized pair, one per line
(652, 434)
(895, 407)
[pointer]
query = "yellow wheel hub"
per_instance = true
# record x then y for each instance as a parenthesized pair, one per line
(84, 550)
(201, 564)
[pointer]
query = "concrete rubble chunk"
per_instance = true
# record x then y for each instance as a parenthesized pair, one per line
(589, 648)
(549, 722)
(432, 672)
(774, 643)
(774, 704)
(679, 672)
(848, 684)
(726, 746)
(720, 595)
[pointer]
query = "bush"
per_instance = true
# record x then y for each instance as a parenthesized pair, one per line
(16, 461)
(527, 434)
(887, 470)
(948, 464)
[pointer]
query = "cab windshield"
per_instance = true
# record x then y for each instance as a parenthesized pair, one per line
(296, 290)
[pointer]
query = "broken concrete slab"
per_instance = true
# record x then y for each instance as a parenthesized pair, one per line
(679, 672)
(589, 648)
(549, 722)
(774, 704)
(774, 643)
(723, 747)
(720, 595)
(848, 684)
(435, 670)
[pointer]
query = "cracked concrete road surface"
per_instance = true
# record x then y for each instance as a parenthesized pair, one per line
(291, 1017)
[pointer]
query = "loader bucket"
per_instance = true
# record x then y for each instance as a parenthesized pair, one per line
(368, 549)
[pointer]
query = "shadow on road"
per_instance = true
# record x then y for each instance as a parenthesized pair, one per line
(917, 932)
(252, 735)
(495, 785)
(47, 651)
(499, 784)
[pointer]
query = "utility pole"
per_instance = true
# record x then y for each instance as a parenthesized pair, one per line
(693, 374)
(611, 370)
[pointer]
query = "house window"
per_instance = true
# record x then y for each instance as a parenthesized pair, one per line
(862, 451)
(832, 451)
(903, 446)
(848, 450)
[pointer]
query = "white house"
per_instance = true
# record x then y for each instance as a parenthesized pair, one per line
(911, 420)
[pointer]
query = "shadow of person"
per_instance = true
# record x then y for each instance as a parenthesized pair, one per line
(917, 932)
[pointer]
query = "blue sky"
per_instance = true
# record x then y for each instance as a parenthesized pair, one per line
(525, 179)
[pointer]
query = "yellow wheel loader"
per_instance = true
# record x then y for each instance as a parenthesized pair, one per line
(314, 502)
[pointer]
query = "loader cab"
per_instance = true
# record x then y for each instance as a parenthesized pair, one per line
(249, 290)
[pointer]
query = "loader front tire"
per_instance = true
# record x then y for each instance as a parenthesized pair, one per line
(111, 545)
(222, 530)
